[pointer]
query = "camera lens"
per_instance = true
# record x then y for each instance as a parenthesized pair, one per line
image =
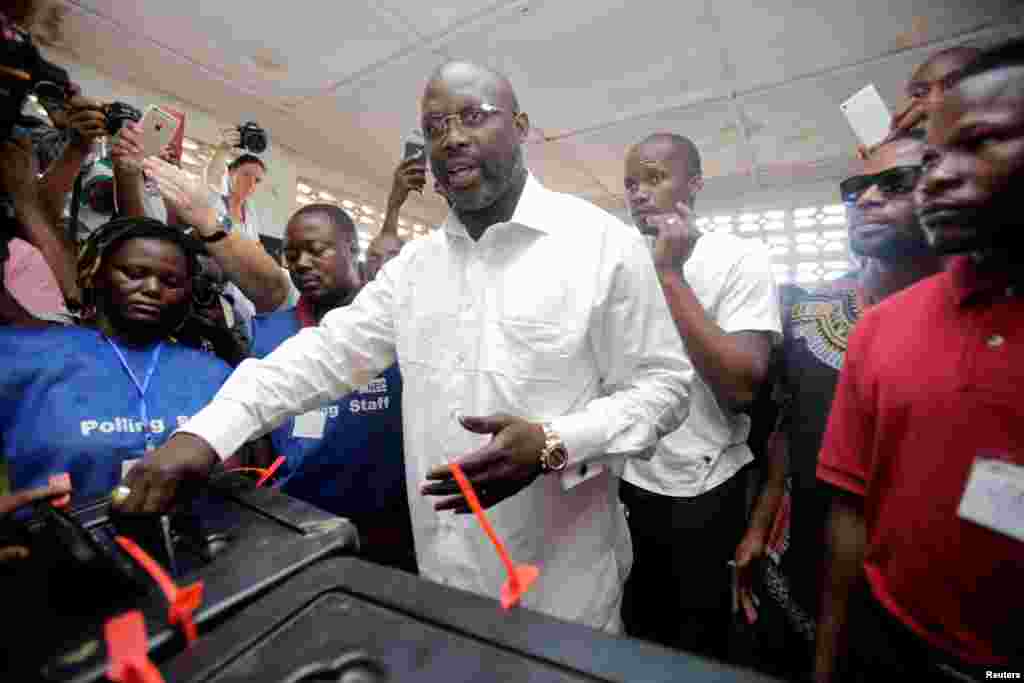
(253, 137)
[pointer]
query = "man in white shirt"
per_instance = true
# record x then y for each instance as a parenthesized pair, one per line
(686, 506)
(563, 366)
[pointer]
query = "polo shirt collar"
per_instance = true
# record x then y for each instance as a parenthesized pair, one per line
(533, 211)
(968, 282)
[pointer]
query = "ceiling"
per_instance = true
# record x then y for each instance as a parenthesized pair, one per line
(756, 85)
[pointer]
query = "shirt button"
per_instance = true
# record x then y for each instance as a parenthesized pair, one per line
(995, 341)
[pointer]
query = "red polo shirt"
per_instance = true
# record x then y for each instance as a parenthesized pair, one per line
(934, 378)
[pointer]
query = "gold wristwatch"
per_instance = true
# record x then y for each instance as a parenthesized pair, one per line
(553, 457)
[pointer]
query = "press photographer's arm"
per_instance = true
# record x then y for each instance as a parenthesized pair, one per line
(31, 222)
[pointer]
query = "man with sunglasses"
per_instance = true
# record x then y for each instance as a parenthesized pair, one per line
(538, 373)
(886, 235)
(925, 442)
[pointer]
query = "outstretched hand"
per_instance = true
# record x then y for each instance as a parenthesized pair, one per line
(505, 466)
(189, 196)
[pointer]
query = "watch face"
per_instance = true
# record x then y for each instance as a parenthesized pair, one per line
(558, 458)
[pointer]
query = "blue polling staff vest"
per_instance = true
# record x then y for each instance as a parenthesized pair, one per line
(68, 405)
(345, 457)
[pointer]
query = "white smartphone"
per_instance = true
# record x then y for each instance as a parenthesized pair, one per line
(158, 129)
(868, 115)
(413, 145)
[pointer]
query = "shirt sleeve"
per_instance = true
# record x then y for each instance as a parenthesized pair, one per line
(645, 373)
(750, 301)
(350, 347)
(846, 451)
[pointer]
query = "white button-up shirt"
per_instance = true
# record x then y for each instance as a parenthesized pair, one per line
(733, 280)
(555, 315)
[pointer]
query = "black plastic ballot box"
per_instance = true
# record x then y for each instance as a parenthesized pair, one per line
(345, 620)
(239, 540)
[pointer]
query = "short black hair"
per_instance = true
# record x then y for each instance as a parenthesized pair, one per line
(693, 162)
(1008, 54)
(246, 159)
(338, 217)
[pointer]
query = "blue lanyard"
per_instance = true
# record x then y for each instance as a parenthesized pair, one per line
(142, 387)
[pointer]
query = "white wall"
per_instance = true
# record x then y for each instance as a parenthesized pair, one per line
(276, 196)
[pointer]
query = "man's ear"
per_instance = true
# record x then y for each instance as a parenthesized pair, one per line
(522, 121)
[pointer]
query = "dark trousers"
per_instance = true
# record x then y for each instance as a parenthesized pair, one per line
(387, 539)
(679, 593)
(881, 648)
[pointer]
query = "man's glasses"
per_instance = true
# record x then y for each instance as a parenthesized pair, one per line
(435, 126)
(892, 182)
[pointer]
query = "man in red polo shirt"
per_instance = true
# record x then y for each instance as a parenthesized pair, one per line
(925, 443)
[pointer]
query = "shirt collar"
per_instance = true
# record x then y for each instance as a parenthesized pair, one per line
(968, 282)
(533, 211)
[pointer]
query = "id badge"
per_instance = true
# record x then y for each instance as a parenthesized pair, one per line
(310, 425)
(994, 497)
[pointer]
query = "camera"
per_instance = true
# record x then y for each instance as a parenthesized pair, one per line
(24, 72)
(119, 113)
(253, 137)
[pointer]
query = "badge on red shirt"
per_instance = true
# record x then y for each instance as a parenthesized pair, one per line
(994, 497)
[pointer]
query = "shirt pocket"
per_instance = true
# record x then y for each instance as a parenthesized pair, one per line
(535, 351)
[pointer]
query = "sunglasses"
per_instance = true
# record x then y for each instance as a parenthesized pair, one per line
(892, 182)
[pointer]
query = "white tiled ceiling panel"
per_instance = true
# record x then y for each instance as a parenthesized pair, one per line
(756, 85)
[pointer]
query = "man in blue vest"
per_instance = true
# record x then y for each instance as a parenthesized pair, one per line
(345, 457)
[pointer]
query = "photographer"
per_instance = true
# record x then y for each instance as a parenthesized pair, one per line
(256, 282)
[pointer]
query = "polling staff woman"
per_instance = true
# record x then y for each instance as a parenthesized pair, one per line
(91, 399)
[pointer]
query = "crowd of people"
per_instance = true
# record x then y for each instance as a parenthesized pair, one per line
(685, 449)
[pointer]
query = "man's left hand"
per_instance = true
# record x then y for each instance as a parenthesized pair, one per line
(499, 470)
(677, 236)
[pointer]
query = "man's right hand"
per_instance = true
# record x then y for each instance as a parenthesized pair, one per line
(411, 174)
(154, 483)
(126, 154)
(86, 117)
(189, 196)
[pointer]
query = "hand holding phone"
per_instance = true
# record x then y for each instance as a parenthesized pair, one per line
(158, 129)
(413, 146)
